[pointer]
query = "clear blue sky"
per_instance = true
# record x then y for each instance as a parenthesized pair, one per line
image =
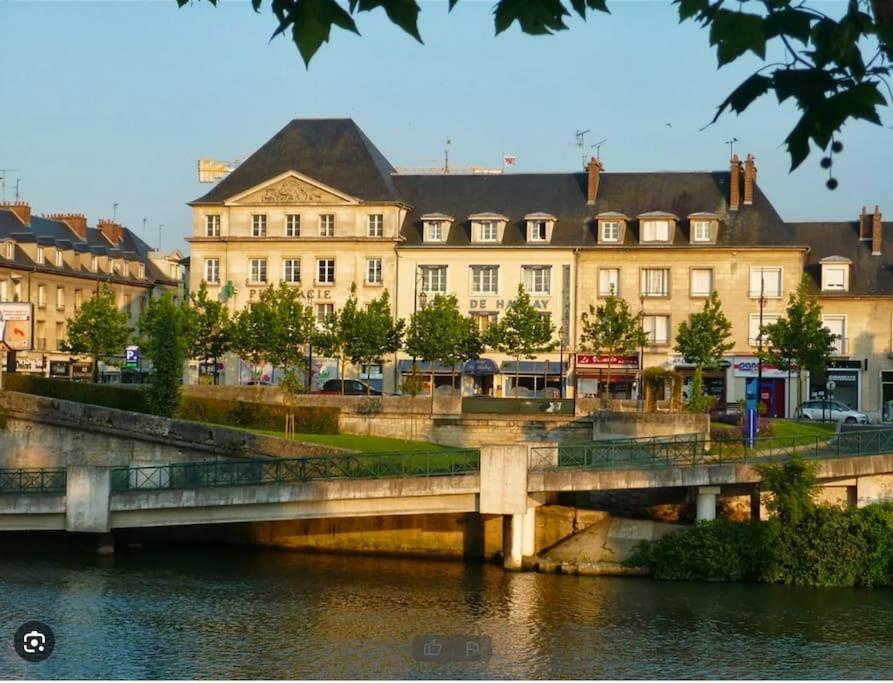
(115, 101)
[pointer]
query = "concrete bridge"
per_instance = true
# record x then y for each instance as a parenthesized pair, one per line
(511, 481)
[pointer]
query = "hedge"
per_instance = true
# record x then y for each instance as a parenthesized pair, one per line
(308, 420)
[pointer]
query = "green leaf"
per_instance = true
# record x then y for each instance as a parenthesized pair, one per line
(790, 22)
(536, 17)
(404, 13)
(311, 23)
(744, 95)
(691, 8)
(452, 4)
(734, 33)
(580, 6)
(805, 85)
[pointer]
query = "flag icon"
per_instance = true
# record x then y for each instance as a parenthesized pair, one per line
(509, 159)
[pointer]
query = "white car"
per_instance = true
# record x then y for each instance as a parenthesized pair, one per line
(833, 411)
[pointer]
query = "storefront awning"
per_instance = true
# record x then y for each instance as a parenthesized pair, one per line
(526, 367)
(405, 366)
(479, 367)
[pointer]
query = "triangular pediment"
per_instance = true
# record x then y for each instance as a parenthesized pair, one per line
(291, 189)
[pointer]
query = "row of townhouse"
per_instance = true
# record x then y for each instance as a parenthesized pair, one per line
(57, 262)
(318, 206)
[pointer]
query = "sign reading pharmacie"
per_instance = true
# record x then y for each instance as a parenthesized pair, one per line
(16, 325)
(598, 361)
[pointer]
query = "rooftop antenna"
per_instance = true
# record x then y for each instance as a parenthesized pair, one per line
(160, 226)
(581, 143)
(731, 144)
(446, 157)
(144, 228)
(3, 173)
(598, 148)
(114, 210)
(18, 180)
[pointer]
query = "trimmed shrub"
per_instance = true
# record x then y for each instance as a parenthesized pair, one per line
(110, 396)
(309, 420)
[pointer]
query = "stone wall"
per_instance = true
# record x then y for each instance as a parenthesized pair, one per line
(606, 425)
(48, 433)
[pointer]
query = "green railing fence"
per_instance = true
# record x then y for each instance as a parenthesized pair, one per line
(33, 481)
(309, 468)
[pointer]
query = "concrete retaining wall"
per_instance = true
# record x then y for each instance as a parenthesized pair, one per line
(627, 424)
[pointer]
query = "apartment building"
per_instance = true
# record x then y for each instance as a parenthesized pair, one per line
(57, 262)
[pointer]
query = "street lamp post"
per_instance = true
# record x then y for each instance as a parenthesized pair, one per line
(760, 347)
(561, 334)
(641, 373)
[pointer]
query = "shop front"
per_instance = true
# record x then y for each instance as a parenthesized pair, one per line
(479, 375)
(777, 390)
(714, 380)
(603, 376)
(425, 373)
(533, 379)
(840, 381)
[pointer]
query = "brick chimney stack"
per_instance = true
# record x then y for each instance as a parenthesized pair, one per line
(735, 184)
(77, 222)
(877, 232)
(22, 210)
(750, 178)
(594, 168)
(112, 231)
(864, 225)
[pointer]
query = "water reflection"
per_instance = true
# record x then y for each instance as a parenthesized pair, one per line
(236, 613)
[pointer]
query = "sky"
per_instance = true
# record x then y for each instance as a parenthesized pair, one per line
(115, 101)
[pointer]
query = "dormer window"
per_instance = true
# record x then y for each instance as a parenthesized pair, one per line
(94, 263)
(40, 256)
(703, 227)
(611, 227)
(435, 227)
(59, 258)
(539, 226)
(656, 226)
(835, 274)
(487, 227)
(487, 231)
(8, 250)
(610, 231)
(702, 231)
(141, 270)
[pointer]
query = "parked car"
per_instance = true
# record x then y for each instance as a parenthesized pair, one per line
(352, 387)
(834, 411)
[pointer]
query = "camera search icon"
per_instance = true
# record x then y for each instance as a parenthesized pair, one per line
(34, 641)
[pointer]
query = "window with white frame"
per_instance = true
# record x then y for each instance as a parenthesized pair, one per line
(325, 271)
(483, 320)
(259, 225)
(293, 225)
(657, 329)
(701, 231)
(175, 271)
(8, 250)
(656, 231)
(373, 271)
(537, 279)
(141, 270)
(60, 335)
(765, 280)
(212, 225)
(324, 312)
(434, 279)
(212, 270)
(837, 325)
(610, 231)
(41, 258)
(257, 271)
(291, 270)
(701, 281)
(484, 279)
(94, 263)
(655, 282)
(60, 298)
(834, 278)
(487, 231)
(42, 296)
(375, 227)
(59, 258)
(434, 231)
(609, 282)
(78, 299)
(536, 231)
(753, 333)
(327, 225)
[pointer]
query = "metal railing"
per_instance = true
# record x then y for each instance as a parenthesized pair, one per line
(638, 454)
(33, 481)
(309, 468)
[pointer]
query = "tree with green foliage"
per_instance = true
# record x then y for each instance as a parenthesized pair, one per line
(703, 340)
(374, 333)
(253, 329)
(211, 328)
(792, 487)
(835, 67)
(439, 332)
(799, 340)
(611, 330)
(164, 337)
(522, 332)
(332, 336)
(292, 327)
(98, 329)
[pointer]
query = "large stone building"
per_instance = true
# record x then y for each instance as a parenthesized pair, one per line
(320, 207)
(57, 262)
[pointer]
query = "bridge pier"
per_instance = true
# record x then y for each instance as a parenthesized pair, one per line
(512, 541)
(707, 503)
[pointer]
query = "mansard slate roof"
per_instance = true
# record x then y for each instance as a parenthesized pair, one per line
(332, 151)
(49, 232)
(564, 196)
(869, 275)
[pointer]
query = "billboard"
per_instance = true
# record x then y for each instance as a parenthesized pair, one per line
(16, 325)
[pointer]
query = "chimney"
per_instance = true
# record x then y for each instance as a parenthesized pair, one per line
(594, 169)
(22, 210)
(877, 231)
(864, 225)
(77, 222)
(750, 178)
(735, 184)
(112, 231)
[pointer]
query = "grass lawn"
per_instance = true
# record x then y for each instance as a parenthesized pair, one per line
(788, 428)
(370, 444)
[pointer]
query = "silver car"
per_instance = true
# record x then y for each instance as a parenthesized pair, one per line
(833, 411)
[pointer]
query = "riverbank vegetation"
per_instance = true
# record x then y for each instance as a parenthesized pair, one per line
(804, 544)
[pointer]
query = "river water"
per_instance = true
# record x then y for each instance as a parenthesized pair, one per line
(244, 613)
